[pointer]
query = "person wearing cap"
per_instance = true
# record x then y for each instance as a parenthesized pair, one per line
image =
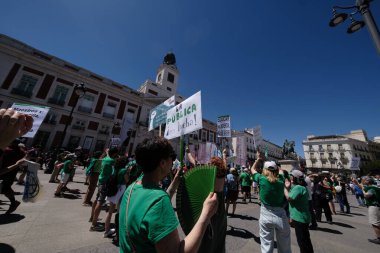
(298, 197)
(372, 200)
(245, 181)
(273, 217)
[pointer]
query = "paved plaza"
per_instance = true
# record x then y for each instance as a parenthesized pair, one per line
(61, 225)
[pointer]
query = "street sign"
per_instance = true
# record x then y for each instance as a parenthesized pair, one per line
(157, 115)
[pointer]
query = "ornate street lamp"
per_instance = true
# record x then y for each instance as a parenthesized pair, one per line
(362, 7)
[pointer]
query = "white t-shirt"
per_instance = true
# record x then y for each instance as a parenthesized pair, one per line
(309, 186)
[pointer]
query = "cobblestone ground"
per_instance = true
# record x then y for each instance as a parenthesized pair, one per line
(61, 225)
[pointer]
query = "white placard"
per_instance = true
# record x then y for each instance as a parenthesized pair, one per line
(257, 136)
(158, 114)
(224, 126)
(355, 162)
(37, 112)
(184, 118)
(115, 142)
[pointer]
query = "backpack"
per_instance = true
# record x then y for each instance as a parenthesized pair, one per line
(111, 184)
(232, 183)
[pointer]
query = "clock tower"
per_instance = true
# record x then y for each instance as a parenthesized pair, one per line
(167, 74)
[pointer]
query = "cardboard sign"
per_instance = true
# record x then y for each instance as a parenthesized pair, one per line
(37, 112)
(224, 126)
(257, 136)
(184, 118)
(158, 114)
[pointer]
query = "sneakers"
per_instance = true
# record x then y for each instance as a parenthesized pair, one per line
(376, 241)
(109, 233)
(97, 228)
(13, 207)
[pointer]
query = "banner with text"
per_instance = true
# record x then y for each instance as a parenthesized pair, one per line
(37, 112)
(257, 136)
(240, 147)
(157, 115)
(224, 126)
(184, 118)
(354, 164)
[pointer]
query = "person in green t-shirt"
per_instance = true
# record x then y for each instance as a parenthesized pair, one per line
(105, 173)
(297, 195)
(372, 200)
(68, 166)
(147, 221)
(245, 181)
(273, 217)
(92, 172)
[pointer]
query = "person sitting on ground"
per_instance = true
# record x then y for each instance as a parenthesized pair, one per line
(147, 220)
(298, 197)
(273, 217)
(372, 199)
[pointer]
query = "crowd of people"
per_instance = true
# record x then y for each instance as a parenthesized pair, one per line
(139, 190)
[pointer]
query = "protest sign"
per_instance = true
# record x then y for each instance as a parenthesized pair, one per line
(184, 118)
(240, 147)
(115, 142)
(158, 114)
(37, 112)
(224, 126)
(257, 136)
(354, 164)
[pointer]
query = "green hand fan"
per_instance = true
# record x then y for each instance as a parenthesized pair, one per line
(192, 191)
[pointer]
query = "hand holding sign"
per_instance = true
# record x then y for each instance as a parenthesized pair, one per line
(13, 125)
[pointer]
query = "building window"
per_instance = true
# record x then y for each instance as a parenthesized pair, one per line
(169, 89)
(320, 147)
(109, 110)
(73, 142)
(171, 77)
(87, 104)
(211, 137)
(330, 155)
(311, 155)
(59, 95)
(79, 125)
(41, 138)
(204, 135)
(25, 86)
(152, 92)
(99, 146)
(104, 130)
(51, 118)
(159, 77)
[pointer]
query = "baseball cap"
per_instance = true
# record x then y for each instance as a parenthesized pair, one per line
(297, 173)
(270, 165)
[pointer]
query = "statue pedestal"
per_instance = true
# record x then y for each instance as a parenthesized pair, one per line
(288, 165)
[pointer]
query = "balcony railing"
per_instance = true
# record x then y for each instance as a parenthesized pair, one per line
(105, 132)
(56, 101)
(85, 109)
(108, 115)
(21, 92)
(77, 127)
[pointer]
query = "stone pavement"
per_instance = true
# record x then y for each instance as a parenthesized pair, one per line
(61, 225)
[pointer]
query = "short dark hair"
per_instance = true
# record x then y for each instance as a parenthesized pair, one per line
(113, 151)
(121, 162)
(151, 151)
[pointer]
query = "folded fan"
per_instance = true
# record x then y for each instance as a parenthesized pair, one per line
(194, 188)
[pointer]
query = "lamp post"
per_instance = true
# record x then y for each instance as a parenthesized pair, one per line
(79, 90)
(362, 7)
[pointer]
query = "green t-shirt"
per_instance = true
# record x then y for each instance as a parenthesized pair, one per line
(106, 169)
(150, 218)
(271, 194)
(120, 176)
(245, 179)
(375, 199)
(299, 204)
(67, 166)
(94, 166)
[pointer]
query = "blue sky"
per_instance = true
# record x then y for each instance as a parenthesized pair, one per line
(271, 63)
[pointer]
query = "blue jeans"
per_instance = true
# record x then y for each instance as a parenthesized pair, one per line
(342, 200)
(274, 219)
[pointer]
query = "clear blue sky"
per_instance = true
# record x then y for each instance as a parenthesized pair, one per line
(271, 63)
